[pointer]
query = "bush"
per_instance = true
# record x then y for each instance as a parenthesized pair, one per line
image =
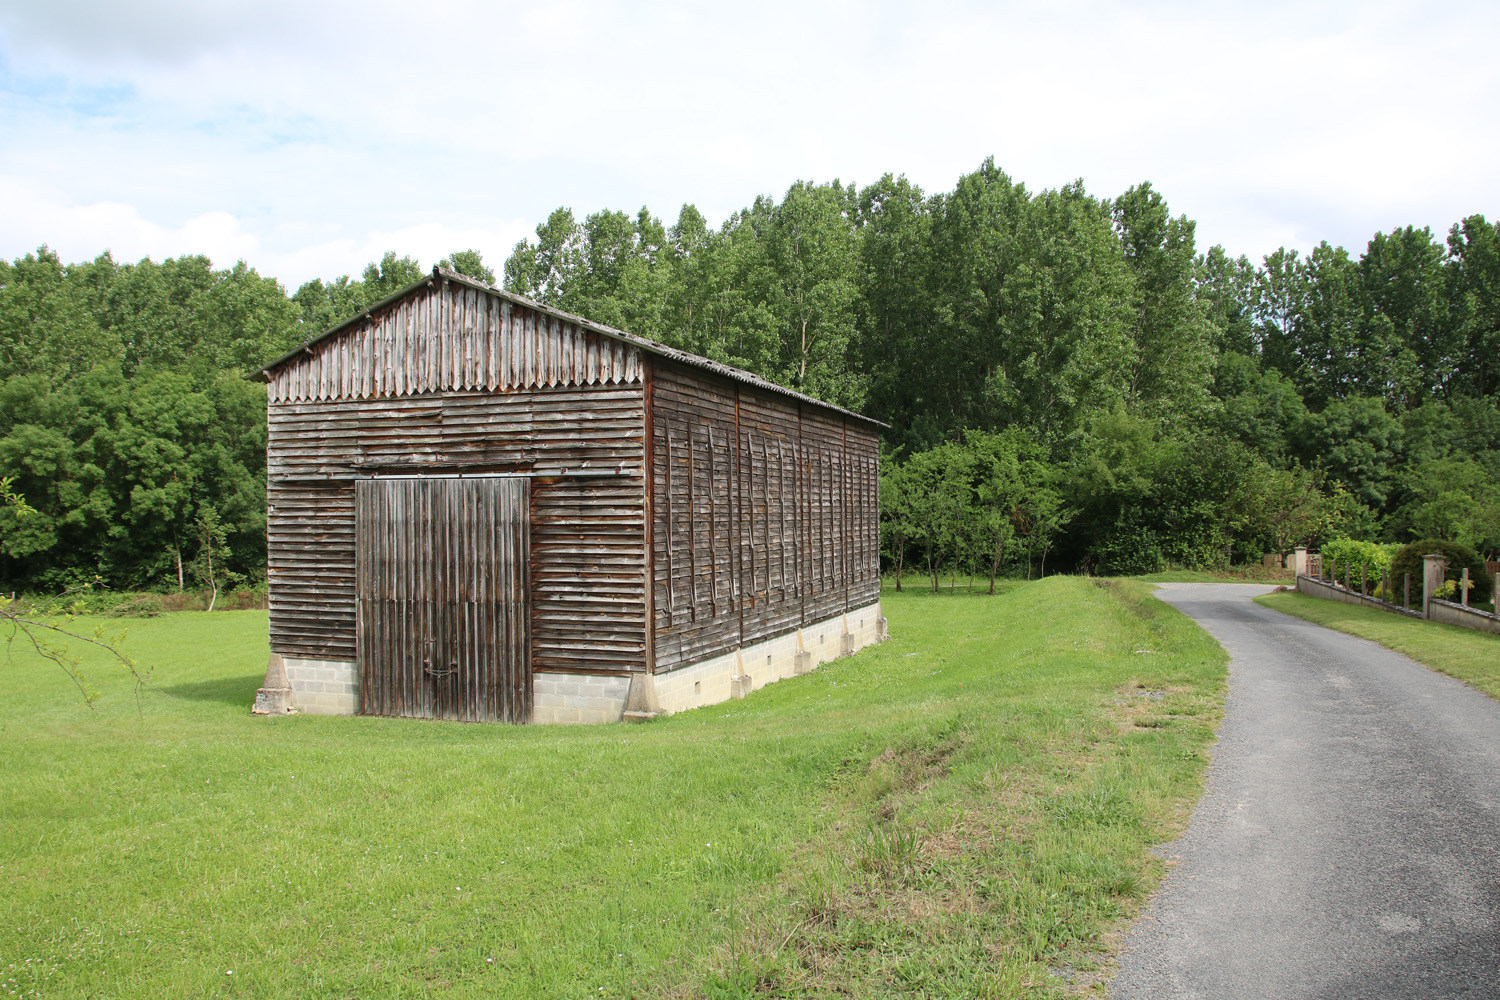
(1342, 553)
(1408, 559)
(133, 606)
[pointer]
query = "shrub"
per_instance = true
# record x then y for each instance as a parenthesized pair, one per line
(1340, 554)
(133, 606)
(1408, 559)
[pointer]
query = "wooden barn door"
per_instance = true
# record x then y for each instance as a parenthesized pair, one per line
(443, 623)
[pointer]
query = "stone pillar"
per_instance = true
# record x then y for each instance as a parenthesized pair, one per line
(641, 703)
(1433, 568)
(1299, 561)
(275, 697)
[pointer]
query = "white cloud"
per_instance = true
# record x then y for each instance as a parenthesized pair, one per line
(303, 136)
(31, 215)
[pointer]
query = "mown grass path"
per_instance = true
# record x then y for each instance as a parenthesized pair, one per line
(966, 809)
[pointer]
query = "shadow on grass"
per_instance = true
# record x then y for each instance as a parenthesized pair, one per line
(228, 690)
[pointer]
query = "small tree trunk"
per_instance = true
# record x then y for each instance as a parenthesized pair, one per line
(212, 584)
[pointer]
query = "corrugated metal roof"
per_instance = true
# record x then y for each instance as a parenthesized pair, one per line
(263, 373)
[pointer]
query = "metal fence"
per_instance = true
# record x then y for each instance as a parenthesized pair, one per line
(1368, 588)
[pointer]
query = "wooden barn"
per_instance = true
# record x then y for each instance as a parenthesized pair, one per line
(481, 508)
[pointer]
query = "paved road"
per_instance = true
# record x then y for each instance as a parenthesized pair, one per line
(1348, 845)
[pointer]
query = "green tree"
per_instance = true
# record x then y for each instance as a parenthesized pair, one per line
(469, 263)
(1226, 289)
(1413, 350)
(941, 504)
(1358, 443)
(1173, 361)
(896, 527)
(390, 276)
(47, 327)
(547, 269)
(1473, 289)
(1453, 498)
(910, 367)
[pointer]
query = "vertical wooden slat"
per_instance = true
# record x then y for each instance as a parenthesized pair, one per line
(692, 524)
(441, 596)
(747, 481)
(671, 522)
(713, 525)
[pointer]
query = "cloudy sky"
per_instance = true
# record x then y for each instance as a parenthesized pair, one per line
(308, 137)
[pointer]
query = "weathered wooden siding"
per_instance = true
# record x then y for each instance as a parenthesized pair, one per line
(824, 540)
(770, 517)
(310, 562)
(694, 533)
(588, 546)
(443, 629)
(586, 445)
(764, 514)
(453, 336)
(862, 448)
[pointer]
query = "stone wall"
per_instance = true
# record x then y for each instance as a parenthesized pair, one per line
(1313, 587)
(1450, 613)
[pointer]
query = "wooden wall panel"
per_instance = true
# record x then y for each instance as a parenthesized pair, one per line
(695, 534)
(588, 571)
(587, 444)
(442, 598)
(800, 488)
(310, 562)
(769, 517)
(825, 528)
(862, 448)
(452, 336)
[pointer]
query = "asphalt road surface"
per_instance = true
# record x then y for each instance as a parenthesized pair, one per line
(1348, 845)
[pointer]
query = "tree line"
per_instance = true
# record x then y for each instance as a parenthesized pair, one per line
(126, 422)
(1070, 382)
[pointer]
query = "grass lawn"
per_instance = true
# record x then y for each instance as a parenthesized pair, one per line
(1472, 657)
(964, 810)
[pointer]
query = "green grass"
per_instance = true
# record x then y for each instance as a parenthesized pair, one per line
(1470, 656)
(966, 809)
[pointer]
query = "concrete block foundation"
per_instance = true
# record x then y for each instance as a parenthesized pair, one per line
(577, 697)
(323, 687)
(330, 687)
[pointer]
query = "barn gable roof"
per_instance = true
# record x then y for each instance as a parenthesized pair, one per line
(588, 328)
